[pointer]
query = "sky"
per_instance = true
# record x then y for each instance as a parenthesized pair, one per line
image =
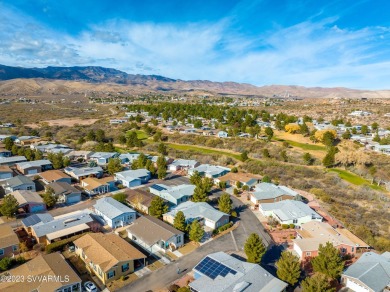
(323, 43)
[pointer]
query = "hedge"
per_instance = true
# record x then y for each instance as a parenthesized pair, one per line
(59, 245)
(223, 228)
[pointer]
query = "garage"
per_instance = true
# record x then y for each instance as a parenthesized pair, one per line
(37, 208)
(72, 199)
(32, 171)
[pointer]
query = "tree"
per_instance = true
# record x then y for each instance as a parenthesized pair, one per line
(225, 204)
(328, 138)
(266, 179)
(347, 135)
(292, 128)
(196, 231)
(183, 289)
(374, 126)
(244, 156)
(157, 136)
(5, 263)
(269, 132)
(161, 167)
(234, 169)
(10, 206)
(29, 154)
(56, 159)
(222, 185)
(38, 155)
(114, 165)
(198, 124)
(49, 197)
(254, 248)
(288, 268)
(304, 129)
(8, 143)
(364, 130)
(14, 149)
(180, 221)
(329, 159)
(158, 207)
(91, 136)
(100, 136)
(307, 158)
(376, 138)
(92, 163)
(322, 135)
(195, 178)
(121, 197)
(266, 153)
(328, 261)
(283, 155)
(162, 149)
(316, 283)
(200, 195)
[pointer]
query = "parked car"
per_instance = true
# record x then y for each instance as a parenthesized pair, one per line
(90, 287)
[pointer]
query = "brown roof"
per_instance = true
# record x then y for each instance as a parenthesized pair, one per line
(93, 182)
(61, 187)
(150, 230)
(7, 236)
(139, 197)
(25, 197)
(53, 264)
(239, 176)
(5, 168)
(53, 175)
(106, 250)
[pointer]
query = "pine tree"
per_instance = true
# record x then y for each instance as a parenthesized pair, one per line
(196, 231)
(288, 268)
(161, 167)
(8, 143)
(114, 165)
(329, 159)
(157, 207)
(254, 248)
(10, 206)
(225, 203)
(316, 283)
(307, 158)
(199, 195)
(162, 149)
(244, 156)
(195, 178)
(49, 198)
(180, 221)
(269, 132)
(328, 261)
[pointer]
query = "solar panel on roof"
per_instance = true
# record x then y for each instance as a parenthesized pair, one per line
(213, 269)
(158, 188)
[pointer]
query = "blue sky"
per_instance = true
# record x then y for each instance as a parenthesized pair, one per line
(310, 43)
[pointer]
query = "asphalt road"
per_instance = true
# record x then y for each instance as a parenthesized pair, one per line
(248, 223)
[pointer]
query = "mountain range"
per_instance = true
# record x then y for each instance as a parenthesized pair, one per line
(68, 80)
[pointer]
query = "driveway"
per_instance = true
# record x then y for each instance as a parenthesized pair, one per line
(168, 274)
(232, 241)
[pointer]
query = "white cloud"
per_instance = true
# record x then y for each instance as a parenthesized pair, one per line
(309, 53)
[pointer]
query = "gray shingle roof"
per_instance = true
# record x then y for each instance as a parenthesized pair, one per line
(18, 181)
(6, 160)
(248, 277)
(37, 218)
(198, 210)
(184, 162)
(83, 171)
(371, 269)
(130, 175)
(265, 191)
(111, 208)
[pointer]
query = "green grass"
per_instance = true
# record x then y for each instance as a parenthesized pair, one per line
(302, 145)
(203, 150)
(354, 179)
(141, 135)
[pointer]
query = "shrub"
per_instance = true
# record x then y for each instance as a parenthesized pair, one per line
(292, 226)
(59, 245)
(233, 213)
(285, 226)
(223, 228)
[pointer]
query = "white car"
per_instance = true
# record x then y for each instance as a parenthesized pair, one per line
(90, 287)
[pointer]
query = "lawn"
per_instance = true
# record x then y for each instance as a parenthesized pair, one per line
(354, 179)
(303, 146)
(141, 135)
(203, 150)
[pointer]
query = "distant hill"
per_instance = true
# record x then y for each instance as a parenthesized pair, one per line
(68, 80)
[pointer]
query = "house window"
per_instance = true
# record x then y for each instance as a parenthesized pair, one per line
(29, 188)
(353, 249)
(15, 248)
(134, 238)
(308, 253)
(110, 274)
(1, 252)
(178, 239)
(295, 221)
(125, 267)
